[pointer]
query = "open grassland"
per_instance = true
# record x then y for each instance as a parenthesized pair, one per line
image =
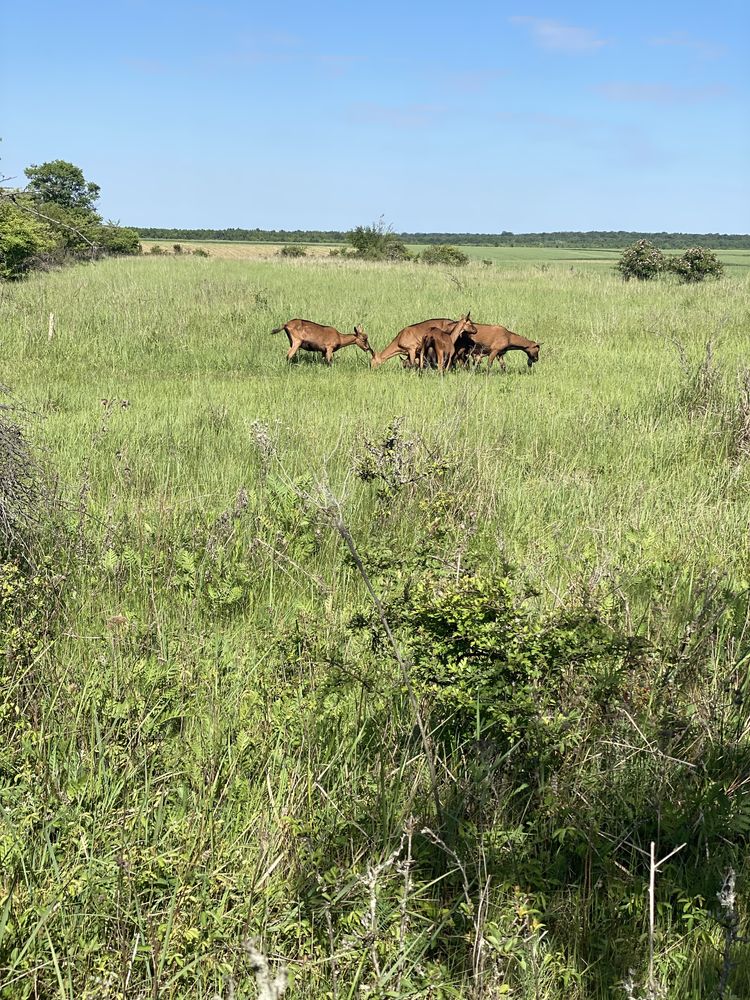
(231, 250)
(576, 257)
(213, 739)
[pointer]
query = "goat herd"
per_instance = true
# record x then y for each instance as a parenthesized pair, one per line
(442, 343)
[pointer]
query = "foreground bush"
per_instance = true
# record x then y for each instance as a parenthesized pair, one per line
(23, 241)
(642, 261)
(53, 222)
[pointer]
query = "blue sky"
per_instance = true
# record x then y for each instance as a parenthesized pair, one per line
(442, 116)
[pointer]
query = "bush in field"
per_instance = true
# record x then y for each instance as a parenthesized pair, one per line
(292, 250)
(641, 261)
(201, 252)
(177, 248)
(443, 253)
(482, 656)
(117, 240)
(696, 264)
(157, 251)
(23, 241)
(377, 242)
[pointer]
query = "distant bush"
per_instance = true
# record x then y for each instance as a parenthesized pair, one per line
(443, 253)
(641, 261)
(377, 242)
(292, 250)
(201, 252)
(177, 248)
(696, 264)
(157, 251)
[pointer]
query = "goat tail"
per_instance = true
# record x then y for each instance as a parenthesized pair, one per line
(278, 329)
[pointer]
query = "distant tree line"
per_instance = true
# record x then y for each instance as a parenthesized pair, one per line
(594, 239)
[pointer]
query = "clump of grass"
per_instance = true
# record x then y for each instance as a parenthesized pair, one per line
(27, 499)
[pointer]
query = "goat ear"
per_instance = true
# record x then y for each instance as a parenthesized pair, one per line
(468, 314)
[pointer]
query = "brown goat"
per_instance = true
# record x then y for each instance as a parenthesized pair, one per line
(439, 345)
(326, 340)
(496, 341)
(411, 339)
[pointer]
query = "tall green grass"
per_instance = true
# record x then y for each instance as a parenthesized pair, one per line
(201, 752)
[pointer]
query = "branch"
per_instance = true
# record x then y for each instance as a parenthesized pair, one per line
(56, 222)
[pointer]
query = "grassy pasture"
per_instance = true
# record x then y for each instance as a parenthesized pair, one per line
(501, 256)
(230, 250)
(201, 762)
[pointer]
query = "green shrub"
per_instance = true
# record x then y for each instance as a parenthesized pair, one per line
(482, 656)
(157, 250)
(23, 240)
(117, 240)
(377, 242)
(696, 264)
(641, 261)
(201, 252)
(177, 248)
(443, 253)
(292, 250)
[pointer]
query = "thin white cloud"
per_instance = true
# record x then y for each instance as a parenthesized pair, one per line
(607, 140)
(395, 115)
(680, 39)
(147, 67)
(337, 66)
(659, 93)
(558, 37)
(474, 81)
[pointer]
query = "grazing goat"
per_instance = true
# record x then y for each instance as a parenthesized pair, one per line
(494, 342)
(411, 339)
(326, 340)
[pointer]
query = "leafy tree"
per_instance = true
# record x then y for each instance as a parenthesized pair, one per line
(443, 253)
(62, 183)
(23, 240)
(642, 261)
(696, 264)
(75, 228)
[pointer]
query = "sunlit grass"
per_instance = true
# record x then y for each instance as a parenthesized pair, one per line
(178, 778)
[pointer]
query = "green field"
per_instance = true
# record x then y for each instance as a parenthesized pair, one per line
(500, 256)
(214, 738)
